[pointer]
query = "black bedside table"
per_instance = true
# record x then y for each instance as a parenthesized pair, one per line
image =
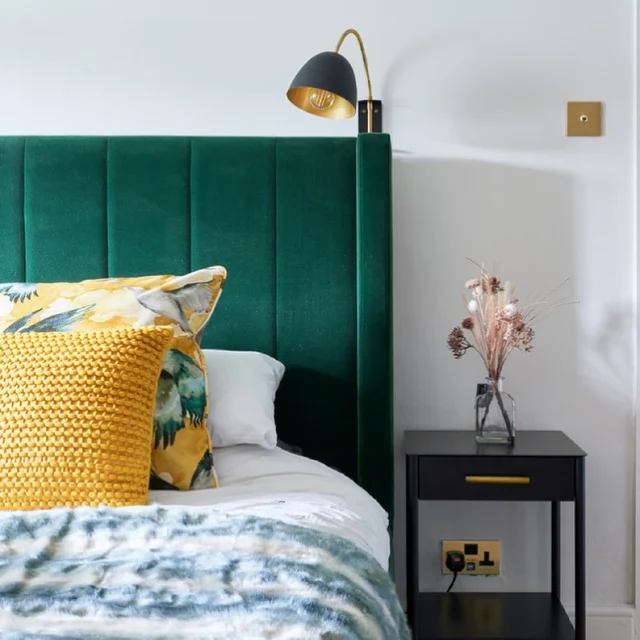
(542, 466)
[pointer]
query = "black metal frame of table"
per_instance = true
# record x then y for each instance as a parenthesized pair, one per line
(541, 466)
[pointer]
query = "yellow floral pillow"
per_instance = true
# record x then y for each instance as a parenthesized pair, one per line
(181, 456)
(75, 417)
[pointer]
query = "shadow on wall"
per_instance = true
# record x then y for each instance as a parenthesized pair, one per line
(472, 87)
(522, 222)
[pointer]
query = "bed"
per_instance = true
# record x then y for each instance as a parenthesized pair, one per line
(303, 226)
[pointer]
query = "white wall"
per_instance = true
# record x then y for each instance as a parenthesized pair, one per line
(474, 94)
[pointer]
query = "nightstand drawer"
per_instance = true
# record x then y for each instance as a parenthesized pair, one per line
(496, 478)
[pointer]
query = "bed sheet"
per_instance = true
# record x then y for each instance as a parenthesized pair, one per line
(291, 488)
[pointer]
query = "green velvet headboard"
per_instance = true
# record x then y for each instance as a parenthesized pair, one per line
(303, 226)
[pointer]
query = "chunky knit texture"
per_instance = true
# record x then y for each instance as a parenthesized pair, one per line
(76, 416)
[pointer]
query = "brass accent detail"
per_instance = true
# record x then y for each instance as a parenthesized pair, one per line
(339, 109)
(584, 119)
(358, 37)
(474, 568)
(497, 479)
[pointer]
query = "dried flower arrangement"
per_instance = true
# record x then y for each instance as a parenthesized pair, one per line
(496, 325)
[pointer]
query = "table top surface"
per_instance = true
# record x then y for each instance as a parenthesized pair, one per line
(463, 443)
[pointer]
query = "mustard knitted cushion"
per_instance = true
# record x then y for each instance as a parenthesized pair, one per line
(76, 416)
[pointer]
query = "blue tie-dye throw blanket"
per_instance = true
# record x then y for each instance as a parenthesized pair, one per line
(155, 573)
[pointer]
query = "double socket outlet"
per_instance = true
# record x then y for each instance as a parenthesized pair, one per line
(482, 557)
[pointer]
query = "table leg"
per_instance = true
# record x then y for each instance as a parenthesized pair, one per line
(555, 549)
(580, 551)
(412, 544)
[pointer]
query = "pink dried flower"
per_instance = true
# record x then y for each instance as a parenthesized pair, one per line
(496, 325)
(515, 331)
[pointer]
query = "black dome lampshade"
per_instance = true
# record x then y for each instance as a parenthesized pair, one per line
(326, 86)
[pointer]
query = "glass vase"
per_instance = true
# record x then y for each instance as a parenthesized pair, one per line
(495, 415)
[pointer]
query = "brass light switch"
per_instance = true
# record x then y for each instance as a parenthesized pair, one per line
(584, 118)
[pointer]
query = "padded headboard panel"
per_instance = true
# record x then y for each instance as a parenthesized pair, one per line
(303, 226)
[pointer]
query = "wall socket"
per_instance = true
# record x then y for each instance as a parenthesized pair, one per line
(482, 556)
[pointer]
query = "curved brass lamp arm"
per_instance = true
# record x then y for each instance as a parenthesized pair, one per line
(364, 57)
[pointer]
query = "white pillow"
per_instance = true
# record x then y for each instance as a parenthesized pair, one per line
(242, 389)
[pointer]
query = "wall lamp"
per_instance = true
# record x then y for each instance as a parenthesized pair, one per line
(326, 86)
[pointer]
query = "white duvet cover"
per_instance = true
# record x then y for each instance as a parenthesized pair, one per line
(278, 484)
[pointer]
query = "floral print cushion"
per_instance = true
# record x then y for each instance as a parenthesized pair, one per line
(181, 456)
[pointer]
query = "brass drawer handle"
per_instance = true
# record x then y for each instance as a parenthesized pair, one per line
(498, 479)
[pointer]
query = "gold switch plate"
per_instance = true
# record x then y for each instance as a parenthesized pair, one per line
(482, 556)
(584, 118)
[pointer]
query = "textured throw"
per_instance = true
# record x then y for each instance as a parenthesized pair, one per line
(150, 573)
